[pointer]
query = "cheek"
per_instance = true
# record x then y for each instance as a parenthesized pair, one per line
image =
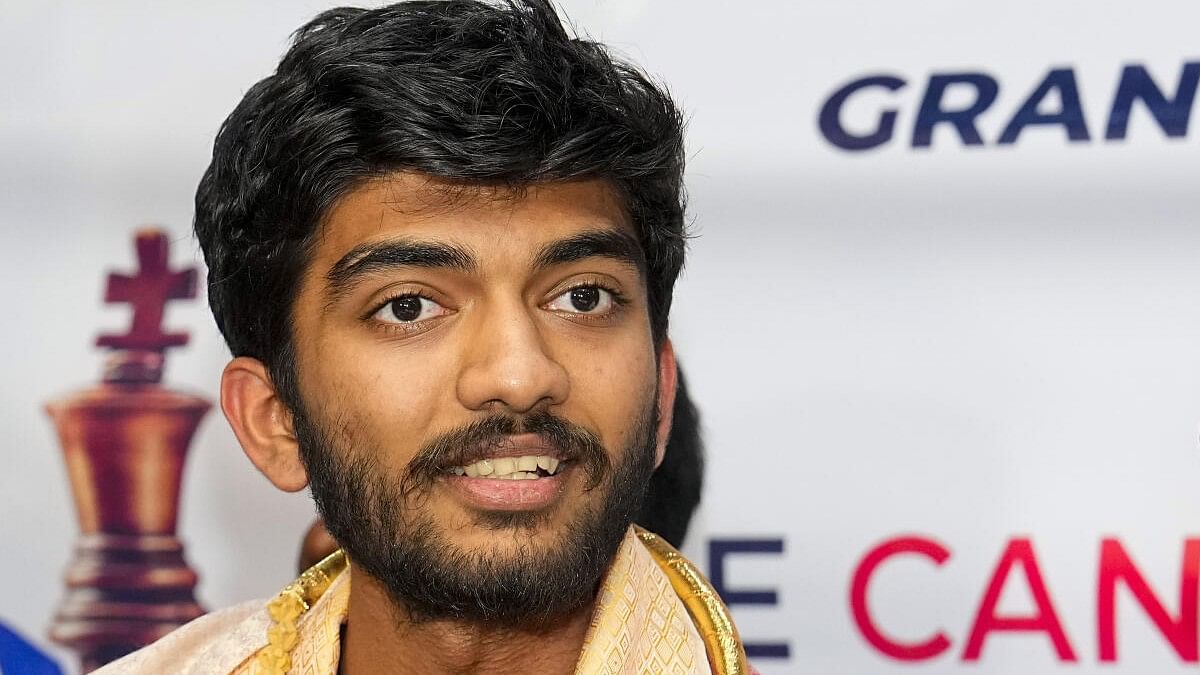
(376, 397)
(613, 387)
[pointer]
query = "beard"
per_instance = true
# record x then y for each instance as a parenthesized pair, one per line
(380, 522)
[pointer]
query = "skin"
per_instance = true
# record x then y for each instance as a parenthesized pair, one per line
(502, 337)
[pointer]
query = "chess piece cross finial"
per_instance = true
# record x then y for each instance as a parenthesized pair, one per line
(148, 291)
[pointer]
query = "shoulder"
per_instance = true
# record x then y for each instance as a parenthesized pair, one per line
(213, 643)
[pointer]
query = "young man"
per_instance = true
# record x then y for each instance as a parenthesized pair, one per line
(442, 240)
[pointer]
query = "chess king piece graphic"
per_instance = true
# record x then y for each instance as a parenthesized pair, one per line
(124, 442)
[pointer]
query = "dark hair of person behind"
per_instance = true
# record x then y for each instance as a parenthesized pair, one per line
(476, 93)
(676, 485)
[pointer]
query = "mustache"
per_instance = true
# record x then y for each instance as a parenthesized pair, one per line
(470, 443)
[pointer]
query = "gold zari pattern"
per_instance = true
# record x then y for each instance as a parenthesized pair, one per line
(286, 609)
(724, 647)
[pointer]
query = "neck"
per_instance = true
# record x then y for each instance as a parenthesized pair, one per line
(379, 638)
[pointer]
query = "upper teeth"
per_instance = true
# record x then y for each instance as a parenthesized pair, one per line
(509, 468)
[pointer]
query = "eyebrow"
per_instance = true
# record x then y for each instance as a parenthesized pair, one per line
(367, 259)
(614, 244)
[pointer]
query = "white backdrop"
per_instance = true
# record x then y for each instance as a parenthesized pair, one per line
(972, 345)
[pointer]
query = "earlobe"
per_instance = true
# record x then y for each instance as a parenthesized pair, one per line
(262, 423)
(667, 376)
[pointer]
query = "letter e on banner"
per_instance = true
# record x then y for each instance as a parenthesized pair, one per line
(918, 651)
(718, 551)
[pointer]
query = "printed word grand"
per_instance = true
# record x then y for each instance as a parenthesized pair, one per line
(1058, 90)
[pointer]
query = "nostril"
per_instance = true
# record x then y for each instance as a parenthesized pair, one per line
(506, 376)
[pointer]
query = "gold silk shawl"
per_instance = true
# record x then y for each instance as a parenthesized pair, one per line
(654, 614)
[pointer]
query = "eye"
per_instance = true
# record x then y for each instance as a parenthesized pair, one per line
(585, 300)
(409, 308)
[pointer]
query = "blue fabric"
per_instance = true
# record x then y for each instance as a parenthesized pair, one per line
(19, 657)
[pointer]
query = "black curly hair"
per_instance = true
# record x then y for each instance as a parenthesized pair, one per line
(476, 93)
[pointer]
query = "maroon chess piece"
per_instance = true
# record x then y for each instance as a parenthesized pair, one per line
(124, 442)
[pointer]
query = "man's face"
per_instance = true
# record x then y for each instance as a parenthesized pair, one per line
(479, 388)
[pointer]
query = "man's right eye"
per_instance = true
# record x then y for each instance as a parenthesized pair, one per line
(409, 309)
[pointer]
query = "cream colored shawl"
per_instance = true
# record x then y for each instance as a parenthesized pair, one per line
(640, 625)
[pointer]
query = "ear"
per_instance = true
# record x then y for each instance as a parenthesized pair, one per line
(667, 376)
(262, 423)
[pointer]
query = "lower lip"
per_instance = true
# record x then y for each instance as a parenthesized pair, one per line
(494, 494)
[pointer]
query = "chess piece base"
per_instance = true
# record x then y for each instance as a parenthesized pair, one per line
(123, 592)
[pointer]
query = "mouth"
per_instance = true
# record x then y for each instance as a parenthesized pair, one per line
(522, 467)
(524, 473)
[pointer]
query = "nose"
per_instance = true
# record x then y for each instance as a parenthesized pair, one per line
(507, 366)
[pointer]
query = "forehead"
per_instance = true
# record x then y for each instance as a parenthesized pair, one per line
(482, 218)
